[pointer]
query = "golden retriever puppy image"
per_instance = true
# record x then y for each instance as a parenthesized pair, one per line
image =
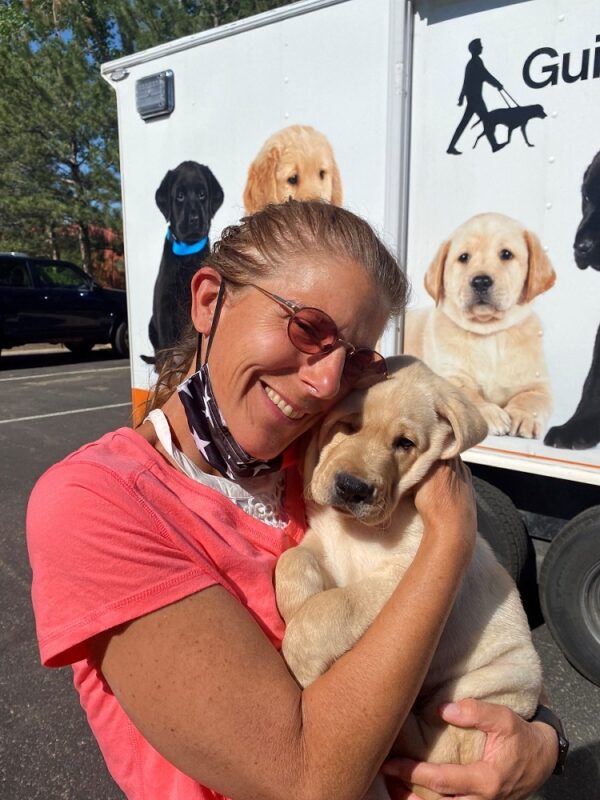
(297, 162)
(483, 334)
(364, 531)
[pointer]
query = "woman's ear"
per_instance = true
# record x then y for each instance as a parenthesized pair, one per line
(205, 287)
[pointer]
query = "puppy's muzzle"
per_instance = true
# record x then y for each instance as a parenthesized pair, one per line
(350, 491)
(481, 284)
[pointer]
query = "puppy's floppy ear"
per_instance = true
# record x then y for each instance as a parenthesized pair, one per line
(540, 274)
(261, 184)
(336, 183)
(163, 195)
(467, 424)
(215, 191)
(434, 277)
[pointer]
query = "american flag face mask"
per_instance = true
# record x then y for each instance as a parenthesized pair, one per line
(209, 430)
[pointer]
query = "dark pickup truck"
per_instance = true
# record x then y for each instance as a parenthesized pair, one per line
(54, 301)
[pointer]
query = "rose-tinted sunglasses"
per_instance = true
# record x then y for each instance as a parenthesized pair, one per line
(311, 331)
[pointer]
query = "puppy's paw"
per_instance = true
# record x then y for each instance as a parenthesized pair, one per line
(526, 424)
(497, 419)
(579, 433)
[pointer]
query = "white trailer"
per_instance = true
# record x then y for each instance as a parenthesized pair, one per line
(382, 80)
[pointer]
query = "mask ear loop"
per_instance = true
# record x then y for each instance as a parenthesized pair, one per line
(213, 327)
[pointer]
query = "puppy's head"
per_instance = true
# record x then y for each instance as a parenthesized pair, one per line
(296, 162)
(538, 111)
(586, 247)
(380, 442)
(189, 196)
(488, 270)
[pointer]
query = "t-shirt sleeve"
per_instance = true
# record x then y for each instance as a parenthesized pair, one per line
(100, 558)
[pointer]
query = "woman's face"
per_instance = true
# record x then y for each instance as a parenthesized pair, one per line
(269, 393)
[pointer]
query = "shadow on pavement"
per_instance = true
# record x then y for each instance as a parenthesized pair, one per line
(53, 358)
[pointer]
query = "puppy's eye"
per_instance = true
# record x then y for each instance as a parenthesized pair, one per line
(322, 174)
(293, 180)
(464, 257)
(180, 197)
(402, 443)
(506, 255)
(202, 195)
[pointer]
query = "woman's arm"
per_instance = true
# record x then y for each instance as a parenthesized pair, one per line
(204, 685)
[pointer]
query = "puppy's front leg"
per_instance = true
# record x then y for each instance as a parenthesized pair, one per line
(497, 418)
(529, 412)
(298, 576)
(331, 622)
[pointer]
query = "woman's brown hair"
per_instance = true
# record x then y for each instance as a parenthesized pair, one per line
(259, 244)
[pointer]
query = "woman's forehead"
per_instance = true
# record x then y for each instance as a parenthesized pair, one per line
(342, 288)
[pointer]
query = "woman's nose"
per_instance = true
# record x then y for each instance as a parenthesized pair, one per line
(323, 373)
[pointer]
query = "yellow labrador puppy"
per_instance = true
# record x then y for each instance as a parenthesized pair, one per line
(483, 334)
(297, 161)
(364, 531)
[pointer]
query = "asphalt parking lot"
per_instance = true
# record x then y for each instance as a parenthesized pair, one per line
(51, 403)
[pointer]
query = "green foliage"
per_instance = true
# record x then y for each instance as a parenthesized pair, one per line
(59, 179)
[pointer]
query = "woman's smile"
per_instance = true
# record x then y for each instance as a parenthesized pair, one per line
(285, 408)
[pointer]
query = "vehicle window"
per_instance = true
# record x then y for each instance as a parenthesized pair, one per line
(14, 274)
(58, 275)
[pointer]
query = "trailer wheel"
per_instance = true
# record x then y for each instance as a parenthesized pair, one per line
(502, 526)
(570, 592)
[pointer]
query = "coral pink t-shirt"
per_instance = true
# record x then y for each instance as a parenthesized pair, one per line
(114, 533)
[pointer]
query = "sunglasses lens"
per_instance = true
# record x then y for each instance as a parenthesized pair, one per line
(312, 331)
(364, 367)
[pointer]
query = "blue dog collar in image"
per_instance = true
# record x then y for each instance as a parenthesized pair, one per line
(183, 249)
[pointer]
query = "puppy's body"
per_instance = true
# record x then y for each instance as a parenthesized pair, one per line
(483, 334)
(296, 162)
(188, 197)
(363, 534)
(582, 430)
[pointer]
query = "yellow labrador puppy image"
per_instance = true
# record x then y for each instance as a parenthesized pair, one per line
(364, 531)
(483, 334)
(297, 162)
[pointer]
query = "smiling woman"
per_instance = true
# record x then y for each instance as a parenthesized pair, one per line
(153, 550)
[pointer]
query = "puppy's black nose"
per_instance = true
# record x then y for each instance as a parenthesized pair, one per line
(481, 283)
(350, 489)
(583, 246)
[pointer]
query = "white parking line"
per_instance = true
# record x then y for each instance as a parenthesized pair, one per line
(62, 413)
(59, 374)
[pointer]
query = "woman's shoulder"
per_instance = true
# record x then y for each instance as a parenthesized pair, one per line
(117, 458)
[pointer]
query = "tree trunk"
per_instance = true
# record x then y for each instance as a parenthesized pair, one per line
(85, 247)
(53, 242)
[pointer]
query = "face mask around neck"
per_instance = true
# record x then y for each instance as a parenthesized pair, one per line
(209, 430)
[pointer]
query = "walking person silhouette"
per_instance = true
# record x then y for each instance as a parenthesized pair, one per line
(475, 76)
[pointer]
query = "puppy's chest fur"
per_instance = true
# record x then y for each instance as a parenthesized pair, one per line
(502, 364)
(349, 551)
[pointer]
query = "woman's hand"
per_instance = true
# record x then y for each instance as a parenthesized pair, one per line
(519, 757)
(445, 499)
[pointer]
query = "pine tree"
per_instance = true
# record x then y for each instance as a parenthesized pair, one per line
(58, 128)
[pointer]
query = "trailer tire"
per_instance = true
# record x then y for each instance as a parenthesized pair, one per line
(500, 523)
(570, 592)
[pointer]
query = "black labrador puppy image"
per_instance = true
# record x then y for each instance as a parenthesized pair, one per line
(513, 118)
(189, 196)
(583, 429)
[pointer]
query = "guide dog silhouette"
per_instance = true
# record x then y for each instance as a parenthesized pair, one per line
(512, 118)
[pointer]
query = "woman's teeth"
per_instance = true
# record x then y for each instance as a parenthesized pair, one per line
(282, 405)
